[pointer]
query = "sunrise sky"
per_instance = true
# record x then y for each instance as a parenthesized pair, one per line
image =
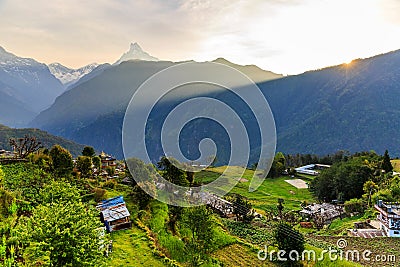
(284, 36)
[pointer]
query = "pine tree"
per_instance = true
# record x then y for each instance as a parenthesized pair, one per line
(386, 164)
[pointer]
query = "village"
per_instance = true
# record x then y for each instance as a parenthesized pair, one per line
(289, 197)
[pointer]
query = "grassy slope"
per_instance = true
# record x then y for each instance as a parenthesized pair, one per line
(130, 247)
(267, 194)
(396, 165)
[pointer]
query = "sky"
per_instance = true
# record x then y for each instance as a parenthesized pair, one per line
(284, 36)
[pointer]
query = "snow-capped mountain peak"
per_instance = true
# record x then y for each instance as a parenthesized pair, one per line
(68, 76)
(135, 52)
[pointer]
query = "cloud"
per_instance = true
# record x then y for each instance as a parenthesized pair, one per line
(287, 36)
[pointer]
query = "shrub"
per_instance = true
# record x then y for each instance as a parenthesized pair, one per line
(99, 194)
(110, 184)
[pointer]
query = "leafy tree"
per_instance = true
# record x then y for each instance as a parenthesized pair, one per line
(88, 151)
(242, 209)
(25, 146)
(369, 188)
(141, 195)
(61, 161)
(138, 170)
(190, 176)
(386, 164)
(141, 172)
(172, 173)
(61, 234)
(84, 165)
(278, 166)
(289, 239)
(343, 180)
(96, 162)
(200, 222)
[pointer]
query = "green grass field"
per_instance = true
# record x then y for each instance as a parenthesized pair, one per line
(396, 164)
(266, 195)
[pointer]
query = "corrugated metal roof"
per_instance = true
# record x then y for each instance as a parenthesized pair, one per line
(113, 209)
(115, 213)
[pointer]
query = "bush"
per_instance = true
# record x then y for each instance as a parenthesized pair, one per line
(110, 184)
(288, 240)
(354, 205)
(99, 194)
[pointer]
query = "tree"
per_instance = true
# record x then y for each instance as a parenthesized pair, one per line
(369, 188)
(61, 234)
(88, 151)
(96, 162)
(144, 175)
(190, 176)
(289, 240)
(242, 209)
(25, 146)
(171, 172)
(342, 180)
(200, 222)
(278, 165)
(84, 165)
(386, 164)
(140, 192)
(61, 159)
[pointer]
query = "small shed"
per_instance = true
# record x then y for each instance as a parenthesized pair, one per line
(114, 214)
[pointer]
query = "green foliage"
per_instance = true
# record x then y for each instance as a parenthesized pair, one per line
(110, 184)
(140, 193)
(25, 180)
(355, 205)
(200, 222)
(46, 139)
(59, 192)
(84, 165)
(278, 166)
(7, 203)
(88, 151)
(1, 177)
(242, 209)
(96, 162)
(386, 164)
(288, 239)
(344, 180)
(138, 170)
(256, 235)
(61, 234)
(172, 172)
(99, 194)
(61, 161)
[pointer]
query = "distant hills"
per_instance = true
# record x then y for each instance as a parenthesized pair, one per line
(351, 106)
(47, 139)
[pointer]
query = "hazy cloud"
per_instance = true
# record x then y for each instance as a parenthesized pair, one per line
(286, 36)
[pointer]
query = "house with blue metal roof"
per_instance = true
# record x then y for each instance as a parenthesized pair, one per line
(114, 214)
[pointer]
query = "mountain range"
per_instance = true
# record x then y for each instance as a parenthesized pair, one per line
(68, 76)
(346, 107)
(350, 106)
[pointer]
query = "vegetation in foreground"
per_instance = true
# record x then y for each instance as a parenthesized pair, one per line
(48, 217)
